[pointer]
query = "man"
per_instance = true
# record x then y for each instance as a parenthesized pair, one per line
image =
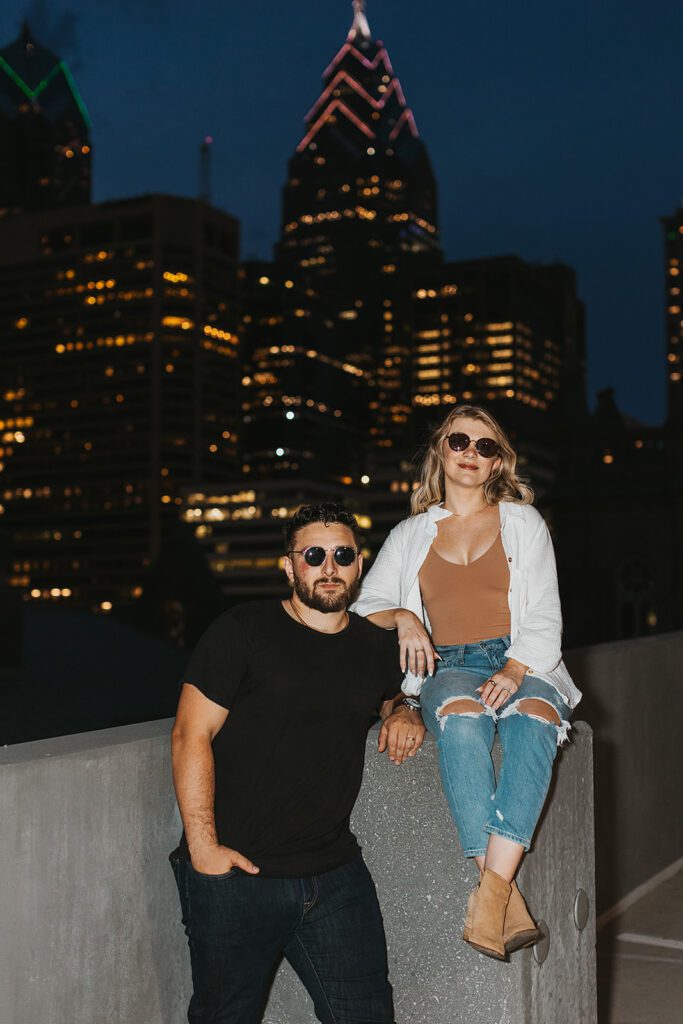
(268, 751)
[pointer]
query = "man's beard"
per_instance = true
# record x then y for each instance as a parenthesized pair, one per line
(321, 601)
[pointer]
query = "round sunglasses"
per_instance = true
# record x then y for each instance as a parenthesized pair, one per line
(485, 446)
(343, 555)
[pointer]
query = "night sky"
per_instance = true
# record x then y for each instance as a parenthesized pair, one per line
(554, 128)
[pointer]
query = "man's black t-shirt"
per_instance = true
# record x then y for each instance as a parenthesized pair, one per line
(289, 759)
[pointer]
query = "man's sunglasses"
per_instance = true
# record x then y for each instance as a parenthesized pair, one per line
(486, 446)
(342, 555)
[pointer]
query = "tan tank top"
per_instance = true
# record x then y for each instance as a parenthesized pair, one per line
(467, 603)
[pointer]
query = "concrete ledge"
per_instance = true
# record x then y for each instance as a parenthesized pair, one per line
(91, 931)
(634, 702)
(423, 882)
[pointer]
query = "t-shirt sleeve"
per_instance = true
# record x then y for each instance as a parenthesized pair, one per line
(389, 664)
(218, 664)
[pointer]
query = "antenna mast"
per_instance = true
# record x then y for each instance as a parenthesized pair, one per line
(205, 169)
(360, 25)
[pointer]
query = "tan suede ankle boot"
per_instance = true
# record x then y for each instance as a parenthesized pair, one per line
(469, 914)
(488, 918)
(520, 930)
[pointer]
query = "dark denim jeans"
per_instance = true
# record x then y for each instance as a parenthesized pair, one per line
(328, 927)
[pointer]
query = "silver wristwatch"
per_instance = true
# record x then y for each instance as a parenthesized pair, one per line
(410, 702)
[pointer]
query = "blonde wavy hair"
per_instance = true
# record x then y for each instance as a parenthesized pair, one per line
(503, 485)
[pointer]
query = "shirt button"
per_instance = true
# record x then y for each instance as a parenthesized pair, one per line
(509, 559)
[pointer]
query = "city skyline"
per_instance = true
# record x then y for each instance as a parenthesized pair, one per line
(113, 312)
(493, 199)
(167, 405)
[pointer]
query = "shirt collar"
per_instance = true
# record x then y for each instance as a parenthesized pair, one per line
(436, 512)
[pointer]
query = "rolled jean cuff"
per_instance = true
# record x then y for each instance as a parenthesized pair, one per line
(473, 852)
(494, 830)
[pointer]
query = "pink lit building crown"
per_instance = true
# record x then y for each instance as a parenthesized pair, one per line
(362, 104)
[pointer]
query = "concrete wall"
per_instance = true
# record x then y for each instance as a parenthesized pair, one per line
(423, 883)
(89, 933)
(633, 700)
(90, 930)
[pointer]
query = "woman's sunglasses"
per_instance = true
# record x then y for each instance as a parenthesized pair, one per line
(486, 446)
(342, 555)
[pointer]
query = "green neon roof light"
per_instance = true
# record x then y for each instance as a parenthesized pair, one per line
(18, 80)
(75, 93)
(31, 94)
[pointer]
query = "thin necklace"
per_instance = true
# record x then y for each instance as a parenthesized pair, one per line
(466, 515)
(316, 628)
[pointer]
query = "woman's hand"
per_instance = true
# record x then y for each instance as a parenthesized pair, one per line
(415, 644)
(503, 685)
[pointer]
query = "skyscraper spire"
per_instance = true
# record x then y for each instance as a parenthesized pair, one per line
(44, 130)
(360, 222)
(362, 104)
(26, 36)
(360, 28)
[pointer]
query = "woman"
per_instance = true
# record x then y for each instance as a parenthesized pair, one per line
(469, 583)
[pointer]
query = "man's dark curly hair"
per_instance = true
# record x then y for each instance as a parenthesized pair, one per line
(326, 513)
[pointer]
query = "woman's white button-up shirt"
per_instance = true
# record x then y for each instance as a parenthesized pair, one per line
(535, 614)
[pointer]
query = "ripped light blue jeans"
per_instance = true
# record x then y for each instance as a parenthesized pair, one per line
(481, 805)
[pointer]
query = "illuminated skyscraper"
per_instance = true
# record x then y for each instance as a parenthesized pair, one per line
(673, 242)
(305, 406)
(360, 218)
(500, 328)
(304, 424)
(45, 149)
(508, 335)
(240, 529)
(120, 371)
(612, 462)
